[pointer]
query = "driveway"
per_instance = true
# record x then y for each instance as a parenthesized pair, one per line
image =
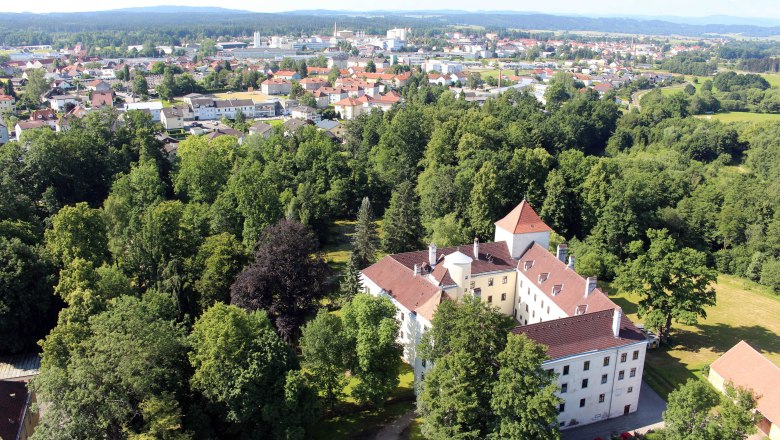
(648, 416)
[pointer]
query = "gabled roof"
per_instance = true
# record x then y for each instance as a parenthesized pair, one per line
(570, 297)
(746, 367)
(413, 292)
(579, 334)
(522, 220)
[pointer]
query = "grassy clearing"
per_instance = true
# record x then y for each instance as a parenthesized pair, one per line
(772, 78)
(745, 311)
(742, 117)
(365, 424)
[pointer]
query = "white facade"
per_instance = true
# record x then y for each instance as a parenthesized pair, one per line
(518, 243)
(154, 107)
(600, 385)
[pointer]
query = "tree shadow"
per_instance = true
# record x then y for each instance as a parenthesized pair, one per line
(720, 337)
(628, 307)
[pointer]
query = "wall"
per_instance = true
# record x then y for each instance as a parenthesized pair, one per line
(482, 281)
(518, 243)
(541, 307)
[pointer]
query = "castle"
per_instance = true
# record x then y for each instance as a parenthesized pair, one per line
(597, 351)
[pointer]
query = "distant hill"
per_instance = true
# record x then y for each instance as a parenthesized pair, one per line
(172, 9)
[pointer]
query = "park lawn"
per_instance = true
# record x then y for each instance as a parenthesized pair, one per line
(745, 311)
(166, 103)
(274, 122)
(772, 78)
(742, 117)
(364, 424)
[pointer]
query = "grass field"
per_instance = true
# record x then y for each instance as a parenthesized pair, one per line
(744, 311)
(772, 78)
(255, 96)
(742, 117)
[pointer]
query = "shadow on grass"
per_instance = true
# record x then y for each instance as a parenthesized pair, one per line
(629, 308)
(663, 372)
(719, 338)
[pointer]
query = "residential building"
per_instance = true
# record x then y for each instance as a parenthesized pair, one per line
(267, 109)
(204, 109)
(153, 107)
(229, 107)
(98, 85)
(58, 102)
(518, 276)
(288, 75)
(7, 104)
(276, 86)
(175, 117)
(311, 84)
(262, 129)
(102, 99)
(305, 112)
(745, 367)
(23, 126)
(4, 135)
(17, 420)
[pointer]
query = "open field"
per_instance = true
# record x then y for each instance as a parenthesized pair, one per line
(772, 78)
(742, 117)
(744, 311)
(255, 96)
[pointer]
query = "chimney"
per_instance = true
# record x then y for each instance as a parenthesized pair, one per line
(416, 270)
(476, 248)
(432, 254)
(561, 252)
(590, 284)
(617, 316)
(570, 265)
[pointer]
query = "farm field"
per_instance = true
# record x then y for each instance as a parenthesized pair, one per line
(744, 311)
(742, 117)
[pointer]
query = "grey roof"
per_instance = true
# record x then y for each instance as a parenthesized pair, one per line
(327, 124)
(260, 128)
(18, 366)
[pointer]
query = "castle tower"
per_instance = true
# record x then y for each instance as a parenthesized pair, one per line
(521, 227)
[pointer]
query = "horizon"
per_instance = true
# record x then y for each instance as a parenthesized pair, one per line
(609, 8)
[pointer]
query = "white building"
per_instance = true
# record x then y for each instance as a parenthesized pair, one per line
(153, 107)
(600, 362)
(398, 33)
(58, 102)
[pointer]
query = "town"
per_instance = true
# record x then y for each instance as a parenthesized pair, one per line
(225, 224)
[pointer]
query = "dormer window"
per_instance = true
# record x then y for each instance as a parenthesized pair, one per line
(581, 309)
(543, 277)
(557, 289)
(528, 264)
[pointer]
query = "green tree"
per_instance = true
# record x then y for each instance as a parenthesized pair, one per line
(241, 365)
(325, 351)
(204, 167)
(402, 227)
(350, 284)
(485, 205)
(364, 241)
(78, 232)
(219, 260)
(523, 400)
(167, 87)
(96, 389)
(463, 344)
(370, 66)
(36, 85)
(371, 328)
(141, 86)
(672, 283)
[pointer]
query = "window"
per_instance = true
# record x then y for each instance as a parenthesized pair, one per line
(403, 317)
(526, 307)
(635, 356)
(534, 295)
(623, 357)
(584, 383)
(632, 373)
(564, 387)
(604, 378)
(565, 370)
(601, 398)
(471, 284)
(490, 281)
(423, 363)
(606, 361)
(490, 298)
(621, 375)
(562, 424)
(503, 297)
(630, 389)
(533, 314)
(542, 303)
(422, 377)
(561, 408)
(504, 280)
(582, 403)
(548, 310)
(586, 366)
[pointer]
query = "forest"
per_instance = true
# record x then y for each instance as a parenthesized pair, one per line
(136, 270)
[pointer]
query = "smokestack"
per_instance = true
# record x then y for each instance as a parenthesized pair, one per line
(416, 270)
(617, 316)
(432, 254)
(562, 252)
(590, 284)
(476, 248)
(571, 263)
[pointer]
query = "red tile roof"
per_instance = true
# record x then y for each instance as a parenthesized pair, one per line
(746, 367)
(572, 290)
(579, 334)
(523, 219)
(499, 260)
(413, 292)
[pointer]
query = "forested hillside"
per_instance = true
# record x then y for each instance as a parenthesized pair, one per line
(131, 255)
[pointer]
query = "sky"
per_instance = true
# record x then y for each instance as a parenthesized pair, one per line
(682, 8)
